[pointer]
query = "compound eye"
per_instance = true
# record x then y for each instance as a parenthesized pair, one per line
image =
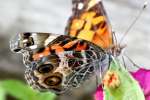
(53, 81)
(46, 68)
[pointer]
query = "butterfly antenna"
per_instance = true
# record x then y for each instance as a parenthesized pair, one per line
(125, 66)
(101, 78)
(134, 64)
(114, 38)
(96, 81)
(134, 21)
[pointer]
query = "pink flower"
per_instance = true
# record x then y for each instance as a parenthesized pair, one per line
(142, 76)
(99, 93)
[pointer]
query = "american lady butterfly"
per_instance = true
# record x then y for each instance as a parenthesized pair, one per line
(59, 62)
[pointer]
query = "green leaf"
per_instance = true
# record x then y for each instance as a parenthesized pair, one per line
(2, 93)
(46, 96)
(23, 92)
(18, 89)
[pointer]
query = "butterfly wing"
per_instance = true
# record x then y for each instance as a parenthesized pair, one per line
(61, 71)
(57, 62)
(30, 43)
(89, 22)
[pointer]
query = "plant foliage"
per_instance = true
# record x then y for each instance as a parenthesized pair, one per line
(21, 91)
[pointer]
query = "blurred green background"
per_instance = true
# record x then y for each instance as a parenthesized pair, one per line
(51, 16)
(16, 90)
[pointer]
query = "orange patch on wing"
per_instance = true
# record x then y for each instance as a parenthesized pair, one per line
(57, 48)
(107, 39)
(88, 15)
(103, 40)
(70, 44)
(86, 28)
(37, 56)
(77, 24)
(73, 32)
(103, 37)
(98, 41)
(101, 31)
(81, 47)
(86, 35)
(97, 20)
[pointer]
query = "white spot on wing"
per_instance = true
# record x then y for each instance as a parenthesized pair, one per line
(25, 40)
(34, 34)
(80, 6)
(41, 55)
(33, 47)
(50, 39)
(93, 3)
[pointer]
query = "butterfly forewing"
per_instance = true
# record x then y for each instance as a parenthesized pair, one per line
(89, 21)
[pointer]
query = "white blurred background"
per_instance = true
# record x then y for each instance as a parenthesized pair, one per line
(51, 16)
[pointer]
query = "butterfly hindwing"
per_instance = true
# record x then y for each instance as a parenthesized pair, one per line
(71, 67)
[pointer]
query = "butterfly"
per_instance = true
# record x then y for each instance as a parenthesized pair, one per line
(59, 62)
